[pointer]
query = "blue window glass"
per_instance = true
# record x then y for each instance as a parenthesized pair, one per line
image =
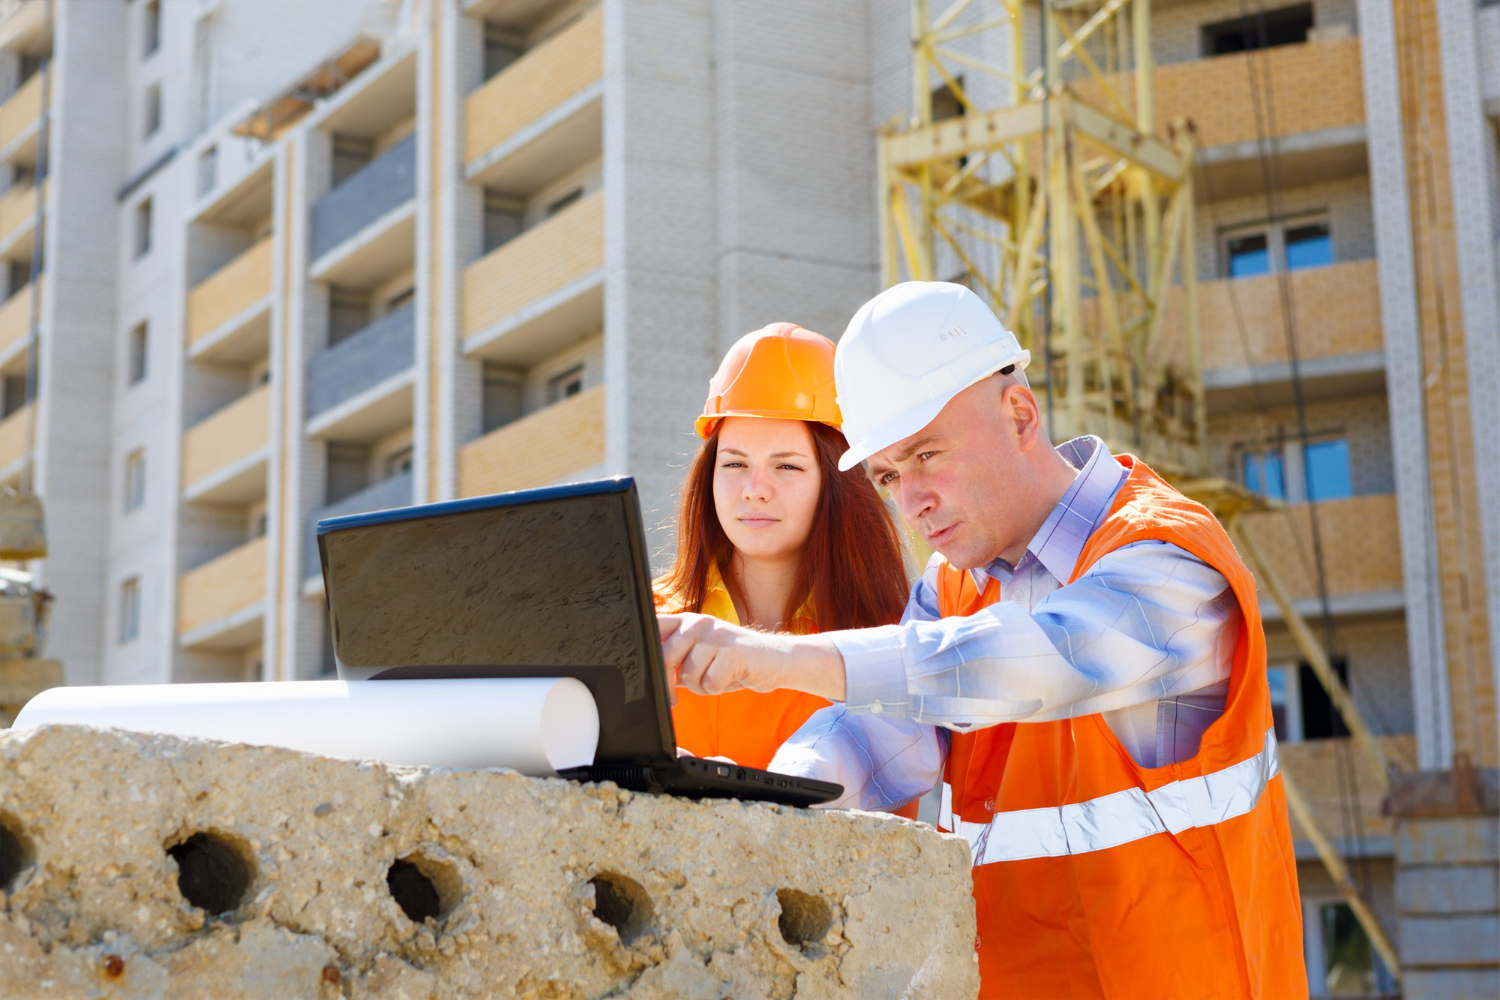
(1308, 246)
(1263, 474)
(1249, 255)
(1327, 468)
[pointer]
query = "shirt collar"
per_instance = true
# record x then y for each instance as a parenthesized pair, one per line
(1060, 541)
(718, 603)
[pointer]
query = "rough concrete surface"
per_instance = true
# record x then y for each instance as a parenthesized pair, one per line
(143, 866)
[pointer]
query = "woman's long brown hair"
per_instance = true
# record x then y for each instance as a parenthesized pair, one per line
(851, 565)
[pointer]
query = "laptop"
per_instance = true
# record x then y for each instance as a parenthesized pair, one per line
(551, 582)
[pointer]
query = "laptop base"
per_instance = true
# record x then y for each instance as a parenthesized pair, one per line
(695, 778)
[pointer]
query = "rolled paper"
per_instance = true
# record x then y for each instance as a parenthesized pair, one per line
(535, 725)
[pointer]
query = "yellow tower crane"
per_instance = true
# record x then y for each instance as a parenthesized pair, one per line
(1052, 191)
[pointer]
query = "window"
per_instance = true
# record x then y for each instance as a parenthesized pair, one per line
(14, 389)
(151, 27)
(1326, 467)
(569, 383)
(348, 313)
(400, 300)
(20, 275)
(1262, 30)
(1277, 246)
(1262, 473)
(502, 396)
(130, 609)
(502, 218)
(1286, 702)
(348, 470)
(208, 170)
(1308, 246)
(135, 480)
(30, 67)
(1320, 719)
(501, 48)
(1248, 255)
(557, 206)
(140, 340)
(143, 227)
(258, 525)
(153, 110)
(1340, 960)
(350, 154)
(398, 462)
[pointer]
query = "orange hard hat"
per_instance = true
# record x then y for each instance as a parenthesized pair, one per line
(781, 371)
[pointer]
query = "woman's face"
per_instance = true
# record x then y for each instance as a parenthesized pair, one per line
(766, 485)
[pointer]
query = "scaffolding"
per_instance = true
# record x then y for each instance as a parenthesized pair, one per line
(1052, 192)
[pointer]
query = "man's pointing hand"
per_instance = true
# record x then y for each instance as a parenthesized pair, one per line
(709, 656)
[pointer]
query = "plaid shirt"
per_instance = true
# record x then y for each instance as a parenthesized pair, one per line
(1145, 637)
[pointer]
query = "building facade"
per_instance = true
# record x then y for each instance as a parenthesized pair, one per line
(315, 259)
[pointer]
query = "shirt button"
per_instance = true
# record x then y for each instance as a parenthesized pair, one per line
(875, 706)
(989, 805)
(976, 942)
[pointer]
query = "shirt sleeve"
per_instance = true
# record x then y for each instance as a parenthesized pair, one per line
(882, 761)
(1144, 623)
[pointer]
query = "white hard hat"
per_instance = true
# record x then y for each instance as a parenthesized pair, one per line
(906, 353)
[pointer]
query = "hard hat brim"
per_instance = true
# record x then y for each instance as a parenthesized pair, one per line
(903, 426)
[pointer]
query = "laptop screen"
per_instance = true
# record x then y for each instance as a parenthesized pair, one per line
(549, 582)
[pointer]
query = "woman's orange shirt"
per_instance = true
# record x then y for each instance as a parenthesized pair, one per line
(748, 727)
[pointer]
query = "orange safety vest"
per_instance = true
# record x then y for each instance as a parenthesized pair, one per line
(1096, 877)
(748, 727)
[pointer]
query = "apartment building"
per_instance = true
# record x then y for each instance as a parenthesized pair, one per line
(315, 259)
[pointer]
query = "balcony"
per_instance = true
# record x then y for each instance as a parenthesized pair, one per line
(229, 312)
(529, 297)
(1340, 340)
(393, 492)
(382, 350)
(541, 115)
(24, 24)
(541, 448)
(1361, 575)
(220, 604)
(17, 221)
(15, 324)
(362, 230)
(14, 430)
(20, 122)
(224, 456)
(1318, 87)
(1315, 766)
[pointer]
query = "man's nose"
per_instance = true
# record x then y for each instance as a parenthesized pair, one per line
(913, 498)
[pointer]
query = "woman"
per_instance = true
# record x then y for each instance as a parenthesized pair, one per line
(772, 536)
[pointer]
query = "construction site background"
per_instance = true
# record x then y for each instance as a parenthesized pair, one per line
(315, 259)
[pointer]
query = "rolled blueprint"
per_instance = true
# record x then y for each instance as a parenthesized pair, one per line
(535, 725)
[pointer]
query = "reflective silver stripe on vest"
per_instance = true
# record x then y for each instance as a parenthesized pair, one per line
(1120, 817)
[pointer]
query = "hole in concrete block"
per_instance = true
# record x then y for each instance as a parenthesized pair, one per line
(424, 887)
(15, 853)
(213, 872)
(622, 903)
(805, 919)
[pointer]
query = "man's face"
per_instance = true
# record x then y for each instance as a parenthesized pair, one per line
(957, 480)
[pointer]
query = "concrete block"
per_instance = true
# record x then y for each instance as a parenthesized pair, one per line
(1465, 889)
(1450, 940)
(135, 865)
(1450, 840)
(1450, 984)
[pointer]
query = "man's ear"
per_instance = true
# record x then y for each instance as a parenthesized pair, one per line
(1019, 406)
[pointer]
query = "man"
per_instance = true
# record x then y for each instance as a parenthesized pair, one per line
(1084, 661)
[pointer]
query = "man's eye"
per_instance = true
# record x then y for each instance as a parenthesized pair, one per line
(886, 478)
(924, 456)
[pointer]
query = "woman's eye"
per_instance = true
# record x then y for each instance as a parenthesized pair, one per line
(732, 465)
(794, 468)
